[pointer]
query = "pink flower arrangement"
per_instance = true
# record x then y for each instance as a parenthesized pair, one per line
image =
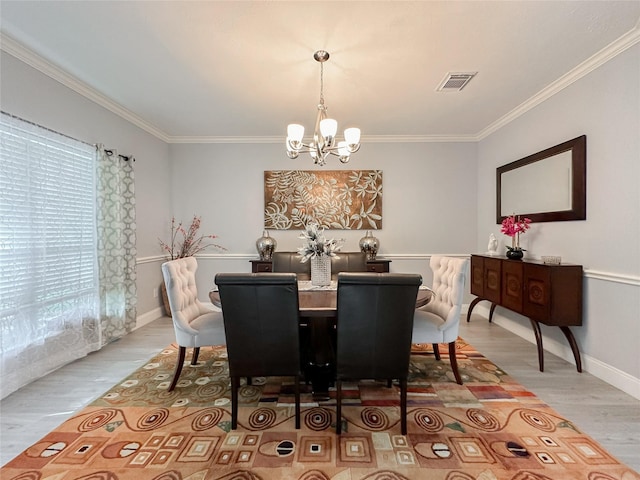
(186, 243)
(514, 225)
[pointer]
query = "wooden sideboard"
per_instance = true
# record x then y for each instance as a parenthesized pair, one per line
(548, 294)
(378, 265)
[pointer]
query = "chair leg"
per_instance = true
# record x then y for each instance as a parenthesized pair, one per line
(403, 405)
(454, 362)
(249, 381)
(338, 407)
(181, 354)
(436, 351)
(297, 402)
(235, 384)
(196, 353)
(389, 382)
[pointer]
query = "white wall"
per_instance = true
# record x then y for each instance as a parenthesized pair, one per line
(604, 105)
(429, 194)
(29, 94)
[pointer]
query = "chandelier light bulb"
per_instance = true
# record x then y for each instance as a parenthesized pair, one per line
(328, 127)
(352, 136)
(295, 132)
(343, 152)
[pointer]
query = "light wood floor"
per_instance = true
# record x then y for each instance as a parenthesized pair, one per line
(608, 415)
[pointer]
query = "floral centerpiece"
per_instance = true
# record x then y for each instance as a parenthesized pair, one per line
(513, 226)
(186, 242)
(319, 250)
(316, 244)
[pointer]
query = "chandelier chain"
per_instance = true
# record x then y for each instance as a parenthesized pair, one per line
(321, 83)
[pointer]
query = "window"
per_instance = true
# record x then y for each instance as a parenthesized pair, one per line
(48, 263)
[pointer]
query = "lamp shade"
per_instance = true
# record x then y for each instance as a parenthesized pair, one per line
(295, 132)
(328, 127)
(352, 136)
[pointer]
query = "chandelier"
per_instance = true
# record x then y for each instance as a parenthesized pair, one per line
(324, 135)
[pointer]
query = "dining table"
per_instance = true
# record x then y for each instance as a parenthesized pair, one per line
(318, 312)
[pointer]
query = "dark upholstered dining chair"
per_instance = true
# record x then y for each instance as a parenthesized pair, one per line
(261, 320)
(287, 262)
(194, 323)
(348, 262)
(374, 326)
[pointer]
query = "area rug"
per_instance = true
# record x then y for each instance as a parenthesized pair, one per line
(489, 428)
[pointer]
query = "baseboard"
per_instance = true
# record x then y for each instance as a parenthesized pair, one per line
(149, 317)
(613, 376)
(605, 372)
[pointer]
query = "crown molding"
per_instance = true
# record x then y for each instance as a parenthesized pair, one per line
(15, 49)
(12, 47)
(279, 139)
(598, 59)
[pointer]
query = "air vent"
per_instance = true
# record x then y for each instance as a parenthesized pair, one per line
(454, 82)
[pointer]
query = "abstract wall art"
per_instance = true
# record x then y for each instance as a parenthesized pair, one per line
(335, 199)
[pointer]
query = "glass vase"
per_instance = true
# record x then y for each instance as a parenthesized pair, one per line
(320, 270)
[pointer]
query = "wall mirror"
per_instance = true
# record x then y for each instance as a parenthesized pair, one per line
(548, 186)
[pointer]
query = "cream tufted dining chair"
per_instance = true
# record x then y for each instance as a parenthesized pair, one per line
(439, 320)
(195, 325)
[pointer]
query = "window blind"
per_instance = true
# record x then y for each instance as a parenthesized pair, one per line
(48, 267)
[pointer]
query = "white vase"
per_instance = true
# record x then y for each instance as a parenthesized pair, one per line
(320, 270)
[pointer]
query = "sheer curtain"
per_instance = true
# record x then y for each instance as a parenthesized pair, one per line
(116, 244)
(67, 250)
(48, 269)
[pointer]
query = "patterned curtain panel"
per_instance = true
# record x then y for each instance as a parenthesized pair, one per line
(116, 244)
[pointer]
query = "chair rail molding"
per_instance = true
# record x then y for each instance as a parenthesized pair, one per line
(613, 277)
(625, 279)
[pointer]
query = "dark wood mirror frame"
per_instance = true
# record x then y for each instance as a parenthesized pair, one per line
(578, 210)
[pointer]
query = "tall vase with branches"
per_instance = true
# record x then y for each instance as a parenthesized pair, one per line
(185, 242)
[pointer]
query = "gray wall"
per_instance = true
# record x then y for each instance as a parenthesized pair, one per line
(604, 105)
(429, 192)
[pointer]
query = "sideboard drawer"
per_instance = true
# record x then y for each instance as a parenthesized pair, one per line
(260, 266)
(378, 266)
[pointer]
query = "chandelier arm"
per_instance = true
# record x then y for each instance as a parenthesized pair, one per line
(306, 148)
(354, 149)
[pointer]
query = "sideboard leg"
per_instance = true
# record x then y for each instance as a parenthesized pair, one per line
(574, 347)
(493, 309)
(473, 303)
(536, 330)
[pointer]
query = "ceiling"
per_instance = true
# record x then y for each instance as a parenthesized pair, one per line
(219, 71)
